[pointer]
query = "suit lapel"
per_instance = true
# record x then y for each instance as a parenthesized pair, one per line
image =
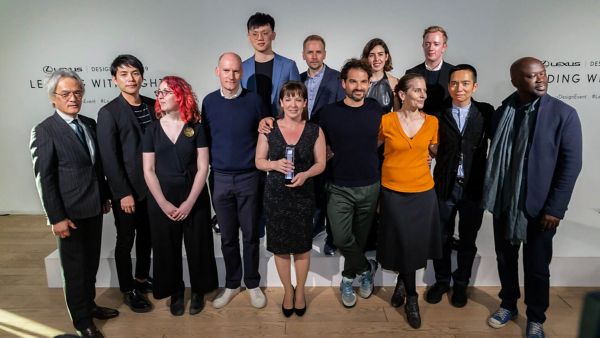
(276, 81)
(63, 128)
(324, 81)
(126, 109)
(450, 120)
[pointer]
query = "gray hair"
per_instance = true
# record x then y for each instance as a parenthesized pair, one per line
(58, 75)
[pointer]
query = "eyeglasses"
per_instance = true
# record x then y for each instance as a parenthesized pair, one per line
(162, 93)
(78, 94)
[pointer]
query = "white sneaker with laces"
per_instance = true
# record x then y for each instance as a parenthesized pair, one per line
(225, 297)
(257, 298)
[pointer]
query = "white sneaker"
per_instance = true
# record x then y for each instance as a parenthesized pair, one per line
(225, 297)
(257, 298)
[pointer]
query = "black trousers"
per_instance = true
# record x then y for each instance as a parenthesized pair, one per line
(132, 227)
(537, 254)
(79, 258)
(237, 200)
(470, 217)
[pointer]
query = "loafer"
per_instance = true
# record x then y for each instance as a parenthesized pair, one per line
(412, 312)
(136, 301)
(459, 296)
(104, 313)
(196, 303)
(399, 294)
(435, 293)
(177, 306)
(91, 332)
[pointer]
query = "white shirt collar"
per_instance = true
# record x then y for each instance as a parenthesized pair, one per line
(438, 67)
(68, 118)
(239, 91)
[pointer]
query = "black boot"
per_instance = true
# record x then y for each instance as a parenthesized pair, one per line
(177, 306)
(399, 294)
(196, 303)
(412, 312)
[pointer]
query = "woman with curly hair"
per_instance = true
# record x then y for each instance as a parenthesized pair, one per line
(175, 168)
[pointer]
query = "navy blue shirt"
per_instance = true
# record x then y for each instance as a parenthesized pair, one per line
(352, 133)
(231, 130)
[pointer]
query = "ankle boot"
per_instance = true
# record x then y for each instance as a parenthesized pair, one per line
(399, 294)
(412, 312)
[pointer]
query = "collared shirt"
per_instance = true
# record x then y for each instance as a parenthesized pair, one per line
(239, 91)
(460, 115)
(438, 67)
(312, 86)
(88, 139)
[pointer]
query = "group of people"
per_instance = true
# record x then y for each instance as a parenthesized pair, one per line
(300, 152)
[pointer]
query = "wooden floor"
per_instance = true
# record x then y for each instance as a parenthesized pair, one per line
(29, 309)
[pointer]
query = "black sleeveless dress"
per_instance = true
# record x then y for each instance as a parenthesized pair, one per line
(289, 211)
(383, 92)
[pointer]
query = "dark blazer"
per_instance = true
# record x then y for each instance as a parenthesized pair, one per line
(69, 184)
(437, 94)
(554, 157)
(284, 70)
(330, 90)
(120, 141)
(472, 143)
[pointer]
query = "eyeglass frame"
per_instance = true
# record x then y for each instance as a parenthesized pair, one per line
(77, 94)
(164, 93)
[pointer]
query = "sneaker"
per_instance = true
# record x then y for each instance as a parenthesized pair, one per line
(329, 249)
(534, 330)
(225, 297)
(436, 292)
(348, 295)
(501, 317)
(366, 280)
(257, 298)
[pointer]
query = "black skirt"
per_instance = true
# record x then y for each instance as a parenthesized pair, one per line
(409, 231)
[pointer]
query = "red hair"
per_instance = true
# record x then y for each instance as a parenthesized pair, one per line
(185, 97)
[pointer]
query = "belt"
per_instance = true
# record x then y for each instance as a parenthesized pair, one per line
(460, 180)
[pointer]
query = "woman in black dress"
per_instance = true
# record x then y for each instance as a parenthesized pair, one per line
(289, 208)
(175, 168)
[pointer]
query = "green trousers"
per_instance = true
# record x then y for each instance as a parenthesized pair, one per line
(350, 212)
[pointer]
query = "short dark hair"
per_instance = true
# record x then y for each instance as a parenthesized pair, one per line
(405, 80)
(355, 64)
(259, 19)
(374, 43)
(294, 88)
(126, 60)
(463, 66)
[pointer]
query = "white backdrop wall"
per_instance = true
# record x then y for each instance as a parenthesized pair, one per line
(186, 37)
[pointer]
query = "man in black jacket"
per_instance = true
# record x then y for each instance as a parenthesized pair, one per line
(458, 175)
(121, 125)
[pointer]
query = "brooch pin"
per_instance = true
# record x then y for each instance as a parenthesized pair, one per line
(189, 132)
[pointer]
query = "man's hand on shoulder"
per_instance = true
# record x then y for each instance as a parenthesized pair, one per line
(266, 125)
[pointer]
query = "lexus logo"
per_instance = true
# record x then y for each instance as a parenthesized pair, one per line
(50, 69)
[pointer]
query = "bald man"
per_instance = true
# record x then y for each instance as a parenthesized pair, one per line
(533, 164)
(230, 116)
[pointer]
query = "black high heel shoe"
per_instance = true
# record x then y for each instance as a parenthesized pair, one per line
(288, 312)
(299, 312)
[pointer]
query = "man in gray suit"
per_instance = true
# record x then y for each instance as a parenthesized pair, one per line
(74, 194)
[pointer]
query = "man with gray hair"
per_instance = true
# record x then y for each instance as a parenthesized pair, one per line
(74, 195)
(230, 116)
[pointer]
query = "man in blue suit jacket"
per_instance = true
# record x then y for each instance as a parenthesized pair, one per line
(533, 163)
(324, 86)
(266, 71)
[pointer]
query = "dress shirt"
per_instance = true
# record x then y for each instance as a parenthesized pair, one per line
(460, 115)
(88, 139)
(237, 93)
(312, 86)
(438, 67)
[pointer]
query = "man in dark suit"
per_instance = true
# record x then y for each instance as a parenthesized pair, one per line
(458, 174)
(121, 125)
(533, 163)
(324, 86)
(73, 191)
(434, 69)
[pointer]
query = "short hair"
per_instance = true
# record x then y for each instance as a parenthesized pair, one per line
(126, 60)
(433, 29)
(259, 19)
(405, 80)
(58, 75)
(313, 37)
(355, 64)
(294, 88)
(231, 53)
(185, 97)
(463, 66)
(374, 43)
